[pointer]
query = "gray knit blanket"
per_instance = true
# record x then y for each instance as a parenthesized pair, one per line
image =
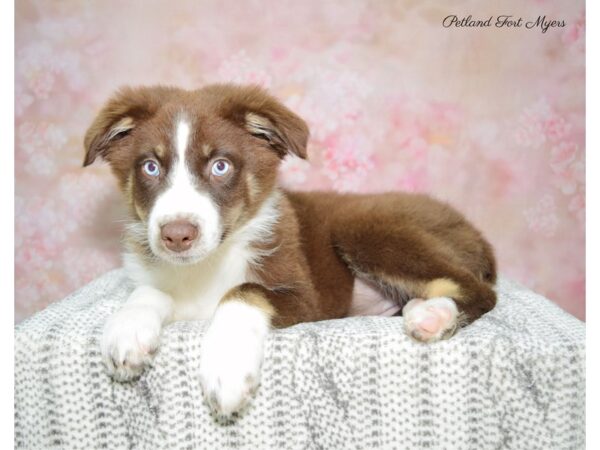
(513, 379)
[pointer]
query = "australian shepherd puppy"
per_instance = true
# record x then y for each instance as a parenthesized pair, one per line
(213, 237)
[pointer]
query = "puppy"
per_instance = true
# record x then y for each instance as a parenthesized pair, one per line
(213, 237)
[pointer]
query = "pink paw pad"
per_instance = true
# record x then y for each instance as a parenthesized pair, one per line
(430, 320)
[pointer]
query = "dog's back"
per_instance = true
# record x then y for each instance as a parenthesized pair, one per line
(333, 224)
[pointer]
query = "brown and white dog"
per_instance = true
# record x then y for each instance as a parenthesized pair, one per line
(213, 237)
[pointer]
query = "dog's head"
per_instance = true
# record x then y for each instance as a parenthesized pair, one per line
(194, 165)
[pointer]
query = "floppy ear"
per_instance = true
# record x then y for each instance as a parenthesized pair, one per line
(121, 114)
(264, 117)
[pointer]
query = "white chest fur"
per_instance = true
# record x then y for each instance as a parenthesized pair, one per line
(198, 288)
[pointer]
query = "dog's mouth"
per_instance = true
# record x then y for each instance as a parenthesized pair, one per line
(194, 255)
(181, 260)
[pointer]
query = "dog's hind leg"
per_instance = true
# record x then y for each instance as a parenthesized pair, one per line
(438, 293)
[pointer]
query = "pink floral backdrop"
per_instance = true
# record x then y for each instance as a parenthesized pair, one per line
(491, 120)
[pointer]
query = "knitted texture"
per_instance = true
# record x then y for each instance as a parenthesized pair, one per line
(513, 379)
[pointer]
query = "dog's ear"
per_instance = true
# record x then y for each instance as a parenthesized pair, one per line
(263, 116)
(119, 116)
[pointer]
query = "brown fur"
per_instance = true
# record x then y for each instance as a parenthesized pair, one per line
(404, 245)
(252, 294)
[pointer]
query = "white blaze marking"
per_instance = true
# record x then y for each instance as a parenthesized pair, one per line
(181, 200)
(183, 134)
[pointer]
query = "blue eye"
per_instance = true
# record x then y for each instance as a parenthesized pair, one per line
(151, 168)
(220, 168)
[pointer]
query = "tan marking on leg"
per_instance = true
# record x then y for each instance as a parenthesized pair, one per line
(252, 296)
(412, 288)
(442, 287)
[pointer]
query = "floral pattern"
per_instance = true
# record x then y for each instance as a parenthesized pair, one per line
(490, 120)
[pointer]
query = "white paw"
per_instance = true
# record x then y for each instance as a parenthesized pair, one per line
(232, 355)
(430, 320)
(129, 341)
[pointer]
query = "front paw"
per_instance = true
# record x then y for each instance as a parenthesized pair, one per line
(129, 341)
(229, 372)
(231, 360)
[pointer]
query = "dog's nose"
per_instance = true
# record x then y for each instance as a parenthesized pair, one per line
(179, 235)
